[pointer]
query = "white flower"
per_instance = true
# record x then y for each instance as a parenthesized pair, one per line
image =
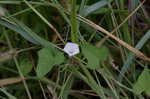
(71, 49)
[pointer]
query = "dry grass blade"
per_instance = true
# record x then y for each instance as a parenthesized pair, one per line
(52, 92)
(85, 92)
(132, 49)
(98, 44)
(126, 19)
(8, 81)
(7, 55)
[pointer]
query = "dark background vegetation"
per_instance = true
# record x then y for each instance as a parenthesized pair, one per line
(115, 77)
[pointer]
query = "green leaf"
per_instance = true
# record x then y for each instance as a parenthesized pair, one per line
(25, 67)
(147, 91)
(48, 57)
(94, 55)
(59, 58)
(142, 84)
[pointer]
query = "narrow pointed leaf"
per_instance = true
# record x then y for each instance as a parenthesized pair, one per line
(18, 30)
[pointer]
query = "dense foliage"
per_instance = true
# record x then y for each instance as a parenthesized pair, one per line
(113, 38)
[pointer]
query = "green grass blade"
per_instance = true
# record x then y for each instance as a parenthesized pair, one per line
(66, 87)
(82, 5)
(24, 30)
(18, 30)
(109, 10)
(7, 94)
(74, 27)
(94, 7)
(131, 57)
(45, 20)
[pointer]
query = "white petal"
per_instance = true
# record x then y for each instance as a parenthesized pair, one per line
(71, 49)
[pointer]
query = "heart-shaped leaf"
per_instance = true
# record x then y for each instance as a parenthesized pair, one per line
(48, 57)
(94, 55)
